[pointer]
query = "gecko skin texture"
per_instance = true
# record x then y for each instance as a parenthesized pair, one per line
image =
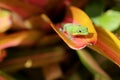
(75, 29)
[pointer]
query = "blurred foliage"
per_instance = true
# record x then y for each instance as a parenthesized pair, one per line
(31, 50)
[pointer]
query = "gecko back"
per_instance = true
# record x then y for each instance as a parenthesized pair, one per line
(75, 29)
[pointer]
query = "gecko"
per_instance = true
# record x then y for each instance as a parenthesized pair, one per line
(74, 29)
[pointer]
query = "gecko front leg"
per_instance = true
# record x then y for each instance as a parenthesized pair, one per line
(63, 31)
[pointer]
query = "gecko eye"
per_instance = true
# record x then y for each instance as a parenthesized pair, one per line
(80, 31)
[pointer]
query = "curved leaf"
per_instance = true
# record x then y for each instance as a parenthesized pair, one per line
(108, 45)
(90, 63)
(75, 15)
(18, 38)
(110, 20)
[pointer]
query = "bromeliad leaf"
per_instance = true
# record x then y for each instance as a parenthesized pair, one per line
(76, 16)
(110, 20)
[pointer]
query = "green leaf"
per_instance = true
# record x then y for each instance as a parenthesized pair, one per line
(89, 62)
(110, 20)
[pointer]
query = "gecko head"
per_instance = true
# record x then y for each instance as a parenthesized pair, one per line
(80, 30)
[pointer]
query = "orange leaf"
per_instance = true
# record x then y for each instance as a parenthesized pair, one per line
(18, 38)
(11, 40)
(108, 45)
(75, 15)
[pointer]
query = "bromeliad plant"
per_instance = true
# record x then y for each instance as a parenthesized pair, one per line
(104, 42)
(100, 42)
(25, 26)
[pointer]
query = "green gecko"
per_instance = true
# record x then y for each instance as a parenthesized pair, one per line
(74, 29)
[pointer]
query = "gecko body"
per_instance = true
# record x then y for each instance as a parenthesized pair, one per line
(75, 29)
